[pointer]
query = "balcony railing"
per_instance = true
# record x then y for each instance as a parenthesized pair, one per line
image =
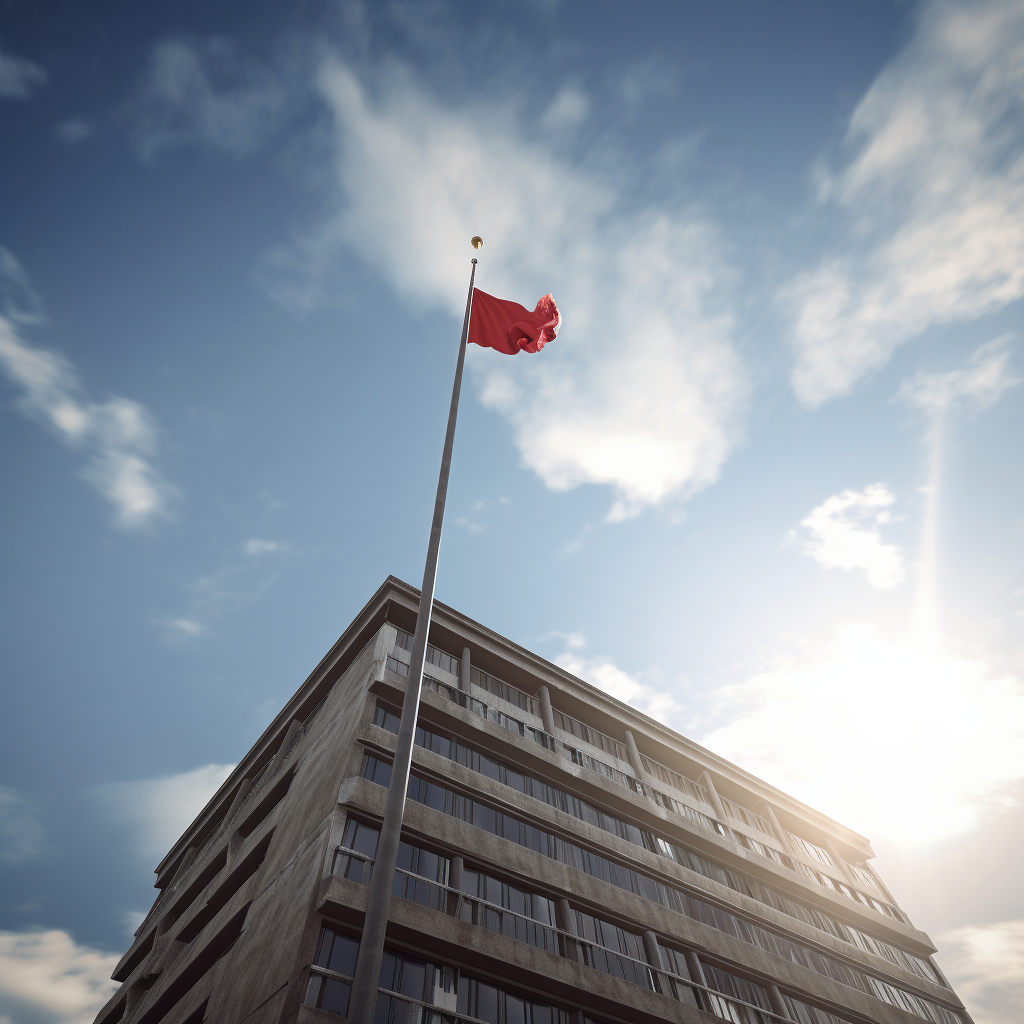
(568, 945)
(594, 737)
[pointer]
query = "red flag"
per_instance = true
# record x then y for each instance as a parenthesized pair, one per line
(511, 328)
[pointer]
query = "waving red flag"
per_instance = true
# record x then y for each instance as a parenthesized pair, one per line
(510, 328)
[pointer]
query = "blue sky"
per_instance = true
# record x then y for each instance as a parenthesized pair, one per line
(765, 485)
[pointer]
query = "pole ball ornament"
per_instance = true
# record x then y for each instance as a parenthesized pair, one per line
(477, 242)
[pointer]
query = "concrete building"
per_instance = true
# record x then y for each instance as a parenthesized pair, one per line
(567, 860)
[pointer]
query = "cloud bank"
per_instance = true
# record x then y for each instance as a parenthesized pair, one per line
(47, 978)
(842, 533)
(986, 967)
(934, 193)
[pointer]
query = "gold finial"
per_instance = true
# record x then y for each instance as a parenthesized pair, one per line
(477, 242)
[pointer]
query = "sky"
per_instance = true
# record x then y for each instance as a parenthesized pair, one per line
(765, 485)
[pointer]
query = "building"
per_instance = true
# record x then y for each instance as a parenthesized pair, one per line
(567, 860)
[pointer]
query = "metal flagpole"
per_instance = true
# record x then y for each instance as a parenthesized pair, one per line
(371, 947)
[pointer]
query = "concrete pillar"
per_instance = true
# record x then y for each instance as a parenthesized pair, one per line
(456, 867)
(566, 920)
(653, 954)
(775, 999)
(693, 965)
(840, 860)
(464, 679)
(767, 811)
(387, 637)
(716, 802)
(546, 714)
(634, 757)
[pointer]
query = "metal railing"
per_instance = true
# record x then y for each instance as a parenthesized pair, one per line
(568, 945)
(590, 735)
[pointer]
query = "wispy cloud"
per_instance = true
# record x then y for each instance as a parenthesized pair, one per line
(205, 92)
(236, 586)
(978, 385)
(934, 192)
(48, 978)
(985, 965)
(117, 437)
(843, 533)
(893, 710)
(643, 391)
(21, 834)
(157, 811)
(20, 77)
(652, 698)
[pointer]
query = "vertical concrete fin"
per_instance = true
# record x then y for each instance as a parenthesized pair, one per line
(716, 801)
(546, 714)
(634, 757)
(387, 637)
(766, 810)
(464, 675)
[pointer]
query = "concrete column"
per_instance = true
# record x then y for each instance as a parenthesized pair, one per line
(464, 680)
(653, 954)
(840, 860)
(546, 714)
(767, 811)
(456, 866)
(716, 802)
(634, 757)
(566, 920)
(775, 998)
(693, 965)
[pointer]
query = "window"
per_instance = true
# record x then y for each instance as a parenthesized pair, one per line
(335, 952)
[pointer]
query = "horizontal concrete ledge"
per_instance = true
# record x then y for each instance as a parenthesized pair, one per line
(524, 967)
(424, 824)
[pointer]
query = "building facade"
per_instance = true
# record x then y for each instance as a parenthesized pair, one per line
(565, 860)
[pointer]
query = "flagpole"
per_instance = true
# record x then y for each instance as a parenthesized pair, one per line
(363, 998)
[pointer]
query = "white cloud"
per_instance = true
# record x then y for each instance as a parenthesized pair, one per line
(653, 700)
(204, 92)
(47, 978)
(843, 534)
(848, 731)
(117, 436)
(21, 834)
(643, 390)
(985, 966)
(19, 77)
(157, 811)
(980, 384)
(935, 193)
